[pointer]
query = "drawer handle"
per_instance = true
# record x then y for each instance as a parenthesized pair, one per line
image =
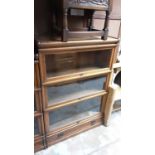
(60, 135)
(92, 123)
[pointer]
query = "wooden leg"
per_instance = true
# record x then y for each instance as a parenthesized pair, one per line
(65, 25)
(91, 20)
(65, 35)
(106, 25)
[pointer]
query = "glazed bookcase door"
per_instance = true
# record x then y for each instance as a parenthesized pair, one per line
(72, 92)
(73, 114)
(62, 65)
(69, 63)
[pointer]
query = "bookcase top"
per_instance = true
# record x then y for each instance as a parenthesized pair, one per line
(44, 43)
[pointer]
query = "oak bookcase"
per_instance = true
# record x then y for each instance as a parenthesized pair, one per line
(74, 81)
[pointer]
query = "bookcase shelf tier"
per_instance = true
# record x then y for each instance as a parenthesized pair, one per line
(74, 113)
(75, 77)
(78, 89)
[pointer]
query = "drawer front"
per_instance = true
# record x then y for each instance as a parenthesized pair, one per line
(66, 133)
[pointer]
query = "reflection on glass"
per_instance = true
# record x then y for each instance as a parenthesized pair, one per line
(58, 94)
(76, 112)
(61, 64)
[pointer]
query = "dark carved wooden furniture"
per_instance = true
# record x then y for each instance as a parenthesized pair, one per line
(63, 10)
(114, 19)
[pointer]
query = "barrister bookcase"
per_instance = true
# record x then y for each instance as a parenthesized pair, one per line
(39, 135)
(75, 77)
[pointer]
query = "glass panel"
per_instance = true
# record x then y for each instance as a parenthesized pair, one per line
(36, 126)
(72, 113)
(61, 64)
(62, 93)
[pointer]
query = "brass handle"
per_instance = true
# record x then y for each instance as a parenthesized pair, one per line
(60, 135)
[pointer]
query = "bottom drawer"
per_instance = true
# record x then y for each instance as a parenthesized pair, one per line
(74, 130)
